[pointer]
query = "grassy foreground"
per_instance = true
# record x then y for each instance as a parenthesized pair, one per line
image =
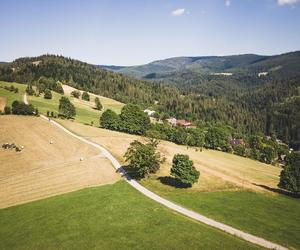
(107, 217)
(273, 217)
(268, 215)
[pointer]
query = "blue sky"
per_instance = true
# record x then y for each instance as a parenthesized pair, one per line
(134, 32)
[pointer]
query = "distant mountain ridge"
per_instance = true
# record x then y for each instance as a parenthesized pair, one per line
(246, 63)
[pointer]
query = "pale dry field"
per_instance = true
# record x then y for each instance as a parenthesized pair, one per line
(219, 171)
(43, 169)
(106, 102)
(2, 103)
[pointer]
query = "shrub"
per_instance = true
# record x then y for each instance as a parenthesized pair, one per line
(7, 110)
(29, 90)
(98, 103)
(75, 93)
(85, 96)
(47, 94)
(183, 170)
(240, 150)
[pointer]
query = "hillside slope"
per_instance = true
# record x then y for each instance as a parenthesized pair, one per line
(45, 169)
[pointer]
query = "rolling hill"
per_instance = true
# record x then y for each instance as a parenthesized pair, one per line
(248, 63)
(244, 101)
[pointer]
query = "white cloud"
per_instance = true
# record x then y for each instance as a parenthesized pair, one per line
(178, 12)
(286, 2)
(227, 3)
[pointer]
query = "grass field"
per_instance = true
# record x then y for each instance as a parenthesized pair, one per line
(251, 208)
(108, 217)
(85, 112)
(273, 217)
(107, 103)
(43, 169)
(225, 170)
(11, 96)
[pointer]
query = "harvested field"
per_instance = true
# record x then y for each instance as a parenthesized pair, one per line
(43, 169)
(219, 171)
(2, 103)
(106, 102)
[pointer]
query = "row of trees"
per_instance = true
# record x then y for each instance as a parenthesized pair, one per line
(133, 120)
(85, 96)
(11, 88)
(144, 160)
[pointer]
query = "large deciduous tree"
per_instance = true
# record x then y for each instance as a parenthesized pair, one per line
(66, 108)
(143, 158)
(110, 120)
(183, 170)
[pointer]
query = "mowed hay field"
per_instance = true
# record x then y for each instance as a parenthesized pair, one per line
(228, 188)
(43, 169)
(220, 170)
(107, 103)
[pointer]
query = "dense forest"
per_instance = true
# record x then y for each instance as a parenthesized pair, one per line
(247, 103)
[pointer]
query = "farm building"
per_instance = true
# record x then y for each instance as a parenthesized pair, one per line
(149, 112)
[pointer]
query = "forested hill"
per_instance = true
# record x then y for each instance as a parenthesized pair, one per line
(248, 64)
(249, 104)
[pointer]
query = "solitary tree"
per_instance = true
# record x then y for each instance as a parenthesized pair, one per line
(47, 94)
(290, 175)
(66, 108)
(98, 103)
(143, 158)
(183, 170)
(85, 96)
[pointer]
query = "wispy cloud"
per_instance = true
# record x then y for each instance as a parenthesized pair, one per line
(178, 12)
(286, 2)
(227, 3)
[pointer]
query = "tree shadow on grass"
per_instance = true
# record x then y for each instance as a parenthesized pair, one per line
(278, 190)
(171, 181)
(131, 172)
